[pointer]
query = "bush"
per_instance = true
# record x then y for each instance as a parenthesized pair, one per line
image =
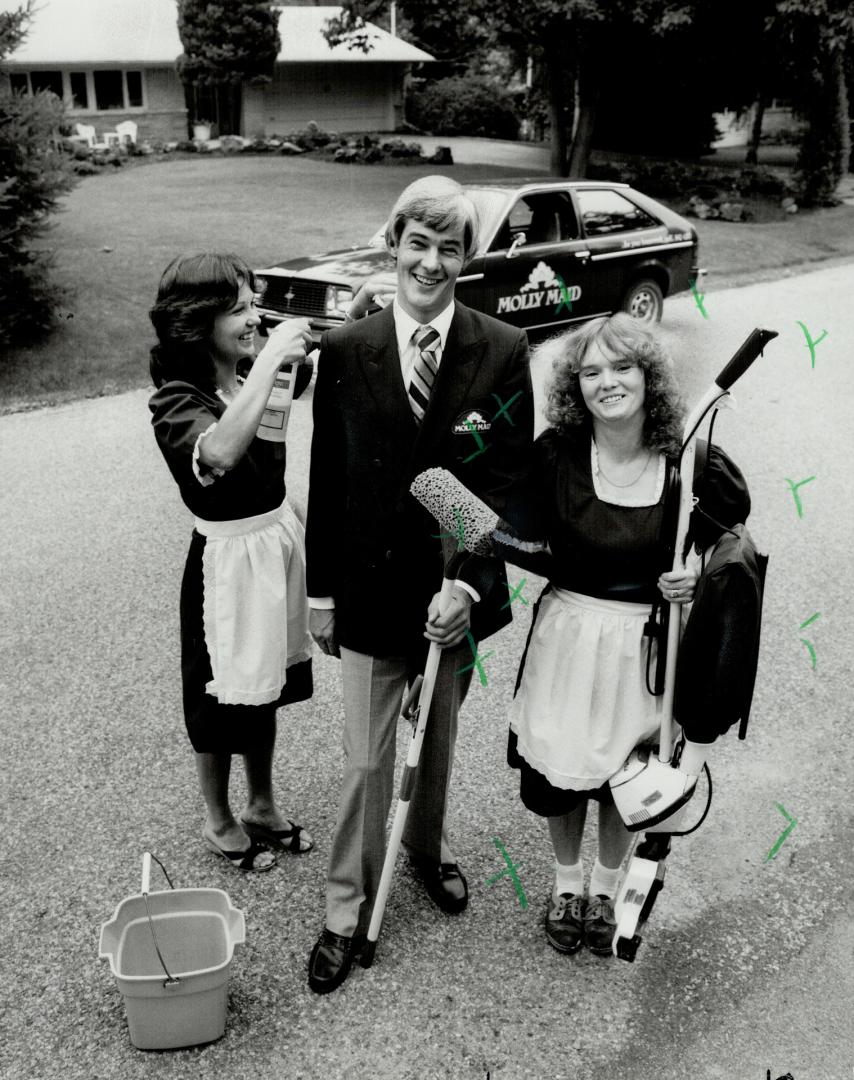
(34, 173)
(367, 150)
(679, 179)
(464, 105)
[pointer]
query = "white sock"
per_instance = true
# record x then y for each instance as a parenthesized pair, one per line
(603, 882)
(693, 757)
(569, 879)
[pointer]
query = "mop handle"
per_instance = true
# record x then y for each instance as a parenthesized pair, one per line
(407, 780)
(752, 347)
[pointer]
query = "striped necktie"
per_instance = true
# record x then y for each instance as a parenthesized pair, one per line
(424, 371)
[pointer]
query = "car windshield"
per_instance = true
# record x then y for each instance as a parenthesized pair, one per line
(489, 202)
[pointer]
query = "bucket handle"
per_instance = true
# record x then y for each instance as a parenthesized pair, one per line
(170, 980)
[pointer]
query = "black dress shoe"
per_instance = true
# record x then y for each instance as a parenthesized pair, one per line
(330, 961)
(445, 883)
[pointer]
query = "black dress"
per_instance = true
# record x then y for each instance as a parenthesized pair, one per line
(255, 489)
(609, 552)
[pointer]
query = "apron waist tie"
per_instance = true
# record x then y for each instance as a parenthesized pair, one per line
(239, 526)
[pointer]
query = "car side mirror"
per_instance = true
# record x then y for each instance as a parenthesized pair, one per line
(518, 240)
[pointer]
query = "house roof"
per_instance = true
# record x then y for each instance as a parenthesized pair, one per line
(146, 32)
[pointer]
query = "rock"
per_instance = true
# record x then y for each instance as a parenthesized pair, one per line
(345, 154)
(232, 143)
(290, 148)
(442, 156)
(732, 211)
(701, 209)
(789, 205)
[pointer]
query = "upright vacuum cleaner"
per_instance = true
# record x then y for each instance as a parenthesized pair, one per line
(650, 791)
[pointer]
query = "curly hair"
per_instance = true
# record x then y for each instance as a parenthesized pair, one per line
(193, 290)
(623, 335)
(439, 203)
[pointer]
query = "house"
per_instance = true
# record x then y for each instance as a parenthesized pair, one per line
(114, 60)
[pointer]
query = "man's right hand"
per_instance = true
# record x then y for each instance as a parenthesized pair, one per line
(379, 289)
(321, 623)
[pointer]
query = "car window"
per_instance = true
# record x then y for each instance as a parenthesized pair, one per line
(604, 212)
(544, 218)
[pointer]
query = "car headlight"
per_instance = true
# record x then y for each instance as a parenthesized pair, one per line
(338, 300)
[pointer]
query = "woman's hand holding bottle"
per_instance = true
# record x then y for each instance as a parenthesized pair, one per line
(287, 343)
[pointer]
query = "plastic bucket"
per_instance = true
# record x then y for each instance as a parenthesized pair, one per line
(170, 953)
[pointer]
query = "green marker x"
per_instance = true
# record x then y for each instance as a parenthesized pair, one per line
(481, 446)
(808, 644)
(565, 302)
(476, 662)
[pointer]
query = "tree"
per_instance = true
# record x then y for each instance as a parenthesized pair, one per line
(570, 40)
(796, 50)
(33, 175)
(450, 30)
(225, 45)
(817, 36)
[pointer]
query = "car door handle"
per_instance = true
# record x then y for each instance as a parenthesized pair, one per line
(583, 255)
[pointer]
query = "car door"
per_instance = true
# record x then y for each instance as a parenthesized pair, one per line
(534, 274)
(620, 236)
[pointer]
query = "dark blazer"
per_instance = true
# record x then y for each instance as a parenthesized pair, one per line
(719, 652)
(370, 545)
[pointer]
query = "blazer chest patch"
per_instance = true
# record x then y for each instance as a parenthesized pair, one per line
(470, 421)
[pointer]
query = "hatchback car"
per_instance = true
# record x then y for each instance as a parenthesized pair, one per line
(551, 253)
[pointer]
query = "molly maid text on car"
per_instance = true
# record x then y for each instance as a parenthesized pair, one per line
(551, 253)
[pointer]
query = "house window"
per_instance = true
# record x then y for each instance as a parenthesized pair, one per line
(79, 90)
(134, 85)
(85, 91)
(109, 90)
(47, 80)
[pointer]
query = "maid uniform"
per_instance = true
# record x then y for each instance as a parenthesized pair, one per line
(245, 643)
(582, 703)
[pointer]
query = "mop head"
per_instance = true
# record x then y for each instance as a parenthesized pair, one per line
(456, 509)
(464, 516)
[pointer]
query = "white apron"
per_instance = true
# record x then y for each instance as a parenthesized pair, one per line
(582, 705)
(255, 609)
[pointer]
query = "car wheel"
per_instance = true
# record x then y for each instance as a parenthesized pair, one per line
(644, 301)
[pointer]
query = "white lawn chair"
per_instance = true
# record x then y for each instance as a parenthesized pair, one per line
(126, 132)
(86, 134)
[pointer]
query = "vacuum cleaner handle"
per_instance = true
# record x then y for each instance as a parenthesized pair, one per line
(740, 362)
(744, 357)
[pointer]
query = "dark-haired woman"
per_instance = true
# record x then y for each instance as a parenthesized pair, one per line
(245, 646)
(582, 704)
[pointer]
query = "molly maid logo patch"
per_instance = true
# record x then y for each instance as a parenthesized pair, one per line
(542, 289)
(473, 420)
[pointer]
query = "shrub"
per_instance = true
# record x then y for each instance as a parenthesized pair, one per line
(464, 105)
(367, 150)
(679, 179)
(34, 173)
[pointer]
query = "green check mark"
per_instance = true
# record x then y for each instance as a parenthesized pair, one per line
(780, 840)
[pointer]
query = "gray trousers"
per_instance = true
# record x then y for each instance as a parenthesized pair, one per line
(373, 689)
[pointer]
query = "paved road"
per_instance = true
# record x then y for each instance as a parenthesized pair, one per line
(746, 964)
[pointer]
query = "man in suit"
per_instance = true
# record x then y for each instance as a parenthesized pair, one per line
(398, 392)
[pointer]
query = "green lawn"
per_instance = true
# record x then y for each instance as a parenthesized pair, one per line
(119, 230)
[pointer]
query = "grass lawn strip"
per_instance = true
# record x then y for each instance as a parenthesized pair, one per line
(120, 230)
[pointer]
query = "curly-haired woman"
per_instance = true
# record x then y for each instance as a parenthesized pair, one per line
(582, 702)
(245, 646)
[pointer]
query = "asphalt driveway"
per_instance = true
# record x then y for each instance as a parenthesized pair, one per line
(746, 963)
